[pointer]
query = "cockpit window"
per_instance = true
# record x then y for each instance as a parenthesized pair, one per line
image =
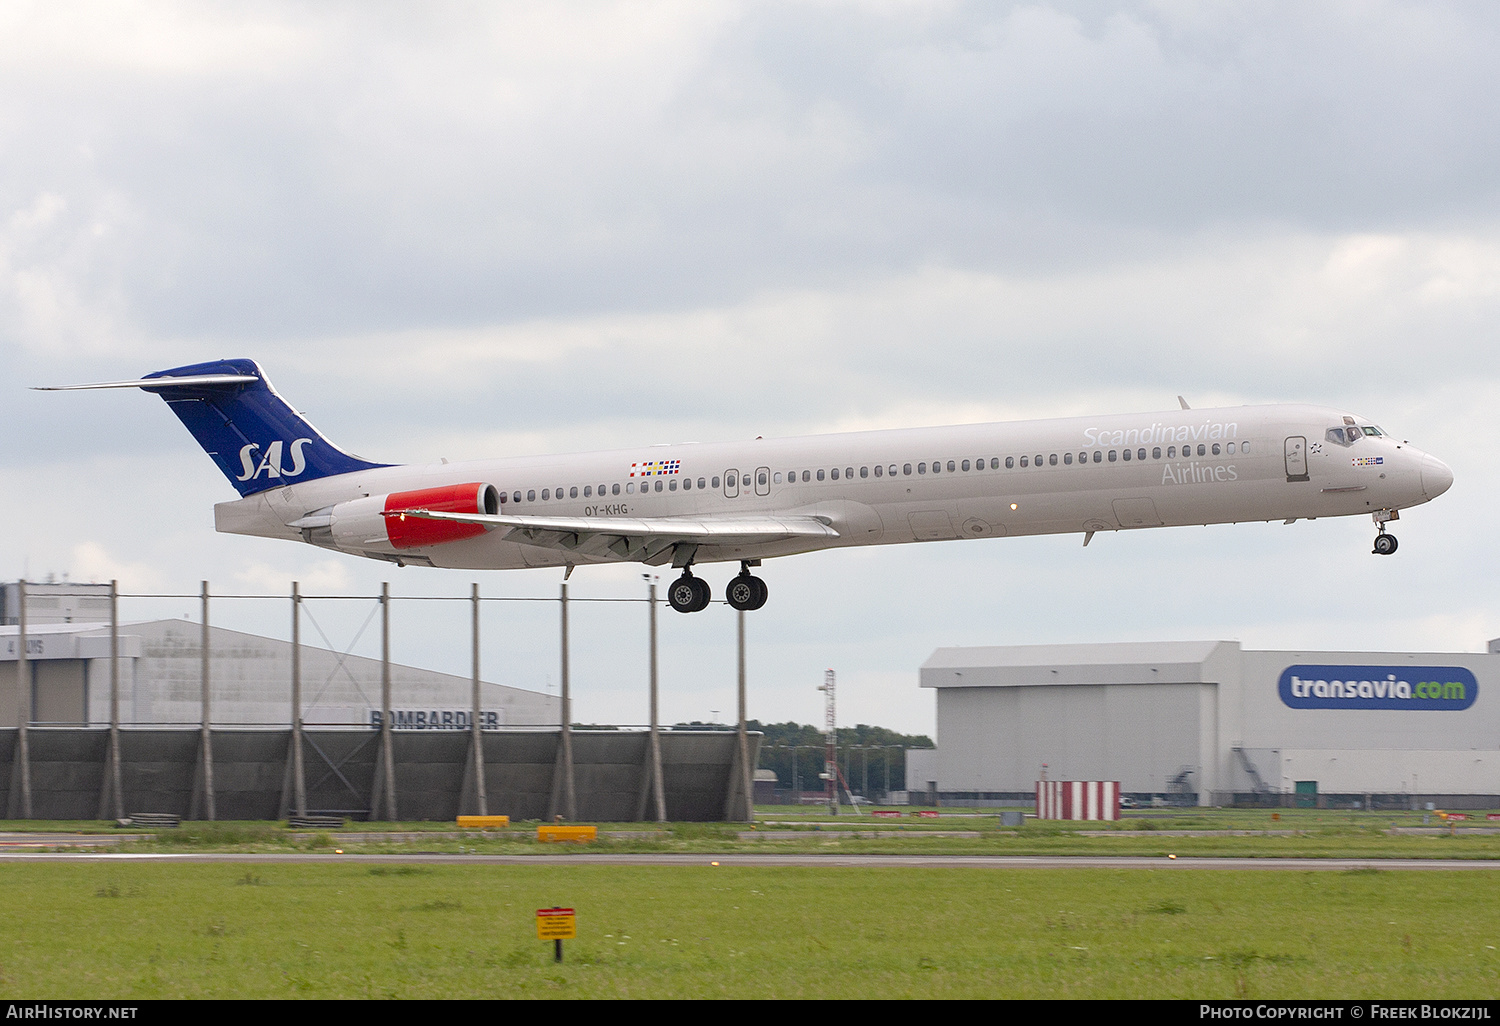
(1343, 435)
(1371, 429)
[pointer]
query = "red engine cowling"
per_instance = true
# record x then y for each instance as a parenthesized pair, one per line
(415, 532)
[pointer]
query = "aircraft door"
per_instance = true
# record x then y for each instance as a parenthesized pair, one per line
(763, 481)
(1296, 458)
(731, 484)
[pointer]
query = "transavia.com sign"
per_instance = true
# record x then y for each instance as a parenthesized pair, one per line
(1378, 687)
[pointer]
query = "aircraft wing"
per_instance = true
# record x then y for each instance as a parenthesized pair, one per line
(645, 540)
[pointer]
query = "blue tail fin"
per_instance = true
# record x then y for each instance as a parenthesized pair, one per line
(256, 439)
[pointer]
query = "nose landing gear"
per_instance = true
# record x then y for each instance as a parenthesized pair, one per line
(1385, 544)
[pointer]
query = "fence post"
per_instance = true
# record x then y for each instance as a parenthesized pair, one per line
(477, 730)
(564, 798)
(206, 743)
(386, 752)
(747, 773)
(116, 790)
(299, 774)
(23, 708)
(652, 787)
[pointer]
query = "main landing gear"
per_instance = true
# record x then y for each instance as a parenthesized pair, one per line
(689, 594)
(1385, 544)
(746, 591)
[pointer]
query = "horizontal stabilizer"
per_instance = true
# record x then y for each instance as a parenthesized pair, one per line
(196, 380)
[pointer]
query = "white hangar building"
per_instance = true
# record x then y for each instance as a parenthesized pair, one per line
(68, 667)
(1211, 723)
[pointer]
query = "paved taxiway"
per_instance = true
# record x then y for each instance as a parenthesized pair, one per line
(824, 861)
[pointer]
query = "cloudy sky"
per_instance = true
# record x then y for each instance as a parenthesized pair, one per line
(475, 229)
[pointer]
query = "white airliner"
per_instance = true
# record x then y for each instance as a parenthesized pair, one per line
(748, 501)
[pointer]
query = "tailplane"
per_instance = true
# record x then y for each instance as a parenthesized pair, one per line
(254, 437)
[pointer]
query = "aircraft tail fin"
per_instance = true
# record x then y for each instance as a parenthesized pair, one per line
(257, 440)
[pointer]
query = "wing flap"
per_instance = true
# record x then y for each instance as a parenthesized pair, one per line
(635, 538)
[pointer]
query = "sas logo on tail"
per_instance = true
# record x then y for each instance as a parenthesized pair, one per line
(270, 463)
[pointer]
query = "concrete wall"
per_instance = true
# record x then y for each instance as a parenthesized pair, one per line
(253, 780)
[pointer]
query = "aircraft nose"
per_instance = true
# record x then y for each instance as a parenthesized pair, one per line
(1437, 476)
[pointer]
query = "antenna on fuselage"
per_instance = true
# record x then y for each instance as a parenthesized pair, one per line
(1183, 403)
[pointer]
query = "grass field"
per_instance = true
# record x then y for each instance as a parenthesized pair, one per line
(154, 930)
(161, 930)
(1300, 833)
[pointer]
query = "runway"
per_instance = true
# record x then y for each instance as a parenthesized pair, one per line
(814, 861)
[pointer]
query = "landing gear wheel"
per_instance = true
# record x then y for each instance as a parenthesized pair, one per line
(689, 594)
(746, 592)
(1385, 544)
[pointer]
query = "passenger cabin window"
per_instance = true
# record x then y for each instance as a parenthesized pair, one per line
(820, 477)
(573, 492)
(1067, 459)
(1052, 460)
(1127, 455)
(965, 465)
(865, 471)
(922, 468)
(1010, 463)
(715, 483)
(879, 471)
(1099, 455)
(1025, 461)
(1216, 449)
(531, 495)
(1111, 455)
(614, 489)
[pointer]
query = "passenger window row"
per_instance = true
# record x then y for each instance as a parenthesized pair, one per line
(937, 467)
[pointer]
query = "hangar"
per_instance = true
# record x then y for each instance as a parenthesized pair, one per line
(1211, 723)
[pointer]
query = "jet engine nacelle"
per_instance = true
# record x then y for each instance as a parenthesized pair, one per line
(363, 523)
